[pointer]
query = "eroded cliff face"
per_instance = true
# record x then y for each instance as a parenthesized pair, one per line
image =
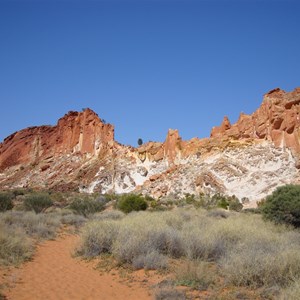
(276, 120)
(77, 132)
(249, 158)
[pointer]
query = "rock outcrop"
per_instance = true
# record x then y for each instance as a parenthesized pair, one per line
(276, 120)
(76, 132)
(249, 158)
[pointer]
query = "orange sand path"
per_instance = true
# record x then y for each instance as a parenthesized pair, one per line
(55, 275)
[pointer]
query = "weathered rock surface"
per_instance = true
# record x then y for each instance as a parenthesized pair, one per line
(276, 120)
(77, 132)
(249, 158)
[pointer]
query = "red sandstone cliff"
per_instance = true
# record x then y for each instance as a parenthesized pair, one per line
(81, 132)
(277, 120)
(80, 153)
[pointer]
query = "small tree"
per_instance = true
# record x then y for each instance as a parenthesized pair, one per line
(6, 201)
(132, 202)
(140, 142)
(283, 205)
(86, 207)
(37, 202)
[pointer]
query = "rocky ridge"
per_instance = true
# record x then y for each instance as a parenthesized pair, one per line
(249, 158)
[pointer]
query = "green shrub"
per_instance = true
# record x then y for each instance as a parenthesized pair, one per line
(132, 202)
(283, 206)
(37, 202)
(6, 201)
(18, 192)
(86, 206)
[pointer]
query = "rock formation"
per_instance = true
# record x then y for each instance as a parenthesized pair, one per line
(276, 120)
(76, 132)
(249, 158)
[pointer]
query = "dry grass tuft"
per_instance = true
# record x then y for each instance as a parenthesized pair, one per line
(292, 292)
(15, 247)
(196, 274)
(247, 250)
(169, 294)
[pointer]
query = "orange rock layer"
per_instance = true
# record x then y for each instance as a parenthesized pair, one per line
(77, 132)
(85, 134)
(277, 120)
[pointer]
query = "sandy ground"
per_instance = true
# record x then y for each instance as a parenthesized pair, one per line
(54, 274)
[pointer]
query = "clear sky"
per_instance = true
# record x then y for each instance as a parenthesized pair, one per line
(144, 66)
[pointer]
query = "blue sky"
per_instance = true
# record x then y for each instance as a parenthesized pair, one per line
(144, 66)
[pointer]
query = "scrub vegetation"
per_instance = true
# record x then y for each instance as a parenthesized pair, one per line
(198, 243)
(241, 248)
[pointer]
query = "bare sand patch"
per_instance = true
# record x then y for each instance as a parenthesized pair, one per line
(55, 274)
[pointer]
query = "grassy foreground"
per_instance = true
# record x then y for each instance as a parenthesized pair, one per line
(21, 230)
(216, 249)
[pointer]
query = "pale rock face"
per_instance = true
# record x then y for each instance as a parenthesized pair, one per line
(248, 159)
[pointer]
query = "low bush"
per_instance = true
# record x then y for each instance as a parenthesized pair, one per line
(195, 274)
(98, 237)
(283, 206)
(41, 226)
(15, 247)
(6, 201)
(247, 250)
(38, 202)
(86, 206)
(150, 261)
(262, 261)
(108, 215)
(131, 202)
(291, 292)
(169, 294)
(75, 220)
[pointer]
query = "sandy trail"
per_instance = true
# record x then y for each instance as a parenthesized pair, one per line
(55, 275)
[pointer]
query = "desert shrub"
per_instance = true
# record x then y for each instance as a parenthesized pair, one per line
(38, 202)
(218, 201)
(291, 292)
(131, 202)
(86, 206)
(218, 213)
(6, 201)
(201, 244)
(150, 261)
(42, 226)
(18, 192)
(196, 274)
(247, 250)
(283, 206)
(108, 215)
(169, 294)
(75, 220)
(262, 260)
(143, 232)
(210, 238)
(97, 237)
(15, 247)
(235, 204)
(102, 199)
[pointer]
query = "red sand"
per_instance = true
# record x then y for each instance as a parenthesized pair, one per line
(54, 274)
